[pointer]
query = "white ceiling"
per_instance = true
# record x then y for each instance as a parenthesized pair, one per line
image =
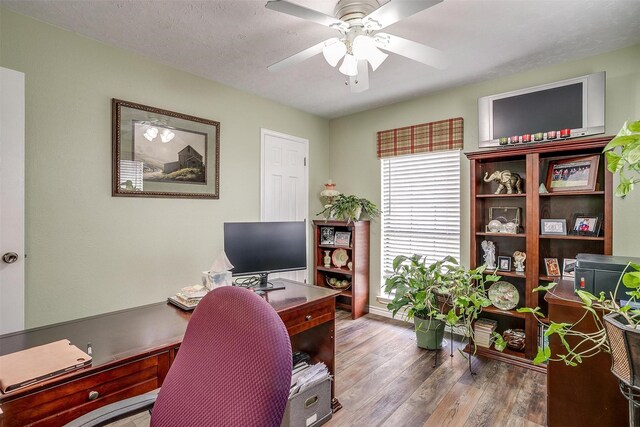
(233, 42)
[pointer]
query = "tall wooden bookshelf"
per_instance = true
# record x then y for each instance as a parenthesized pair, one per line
(356, 298)
(531, 162)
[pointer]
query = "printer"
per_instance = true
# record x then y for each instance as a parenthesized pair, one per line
(601, 273)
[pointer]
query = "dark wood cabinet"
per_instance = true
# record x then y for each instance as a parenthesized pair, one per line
(355, 298)
(531, 162)
(586, 395)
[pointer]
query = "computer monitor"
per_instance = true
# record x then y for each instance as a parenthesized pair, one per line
(260, 248)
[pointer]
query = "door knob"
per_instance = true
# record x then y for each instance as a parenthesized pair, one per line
(10, 257)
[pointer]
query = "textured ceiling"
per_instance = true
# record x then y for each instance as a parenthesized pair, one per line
(233, 42)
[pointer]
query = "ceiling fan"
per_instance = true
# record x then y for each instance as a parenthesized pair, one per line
(360, 42)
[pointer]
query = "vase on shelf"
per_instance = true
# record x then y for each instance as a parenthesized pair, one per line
(327, 259)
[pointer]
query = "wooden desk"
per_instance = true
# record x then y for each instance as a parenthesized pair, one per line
(133, 350)
(587, 394)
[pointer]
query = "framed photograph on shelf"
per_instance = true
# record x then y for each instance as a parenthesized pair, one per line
(586, 225)
(504, 263)
(557, 227)
(342, 238)
(161, 153)
(552, 267)
(573, 174)
(327, 236)
(568, 268)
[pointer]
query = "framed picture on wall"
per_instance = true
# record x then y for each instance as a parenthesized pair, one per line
(161, 153)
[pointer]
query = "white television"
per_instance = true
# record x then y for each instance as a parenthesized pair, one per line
(576, 104)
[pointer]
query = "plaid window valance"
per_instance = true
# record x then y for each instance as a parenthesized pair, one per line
(432, 136)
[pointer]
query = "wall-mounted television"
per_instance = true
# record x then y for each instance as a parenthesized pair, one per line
(576, 104)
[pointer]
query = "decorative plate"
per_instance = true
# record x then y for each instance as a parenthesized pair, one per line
(340, 257)
(504, 295)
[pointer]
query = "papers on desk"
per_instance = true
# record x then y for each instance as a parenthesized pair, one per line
(305, 376)
(188, 297)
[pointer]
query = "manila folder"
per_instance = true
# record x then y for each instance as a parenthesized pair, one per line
(26, 367)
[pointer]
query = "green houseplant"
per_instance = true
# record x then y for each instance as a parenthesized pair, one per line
(623, 157)
(350, 208)
(438, 294)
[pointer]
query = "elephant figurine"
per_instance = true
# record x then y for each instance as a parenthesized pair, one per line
(505, 179)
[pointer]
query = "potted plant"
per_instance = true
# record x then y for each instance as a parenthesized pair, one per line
(438, 294)
(350, 208)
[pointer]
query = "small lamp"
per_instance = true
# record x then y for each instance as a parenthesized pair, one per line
(329, 193)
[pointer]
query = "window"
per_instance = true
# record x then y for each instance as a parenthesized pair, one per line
(421, 207)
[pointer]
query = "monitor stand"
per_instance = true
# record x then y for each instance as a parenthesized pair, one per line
(265, 285)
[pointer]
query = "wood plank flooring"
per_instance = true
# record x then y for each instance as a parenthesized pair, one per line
(384, 379)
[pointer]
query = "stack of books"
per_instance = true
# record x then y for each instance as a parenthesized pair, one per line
(189, 297)
(482, 330)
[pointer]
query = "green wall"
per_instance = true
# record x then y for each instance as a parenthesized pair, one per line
(89, 252)
(353, 138)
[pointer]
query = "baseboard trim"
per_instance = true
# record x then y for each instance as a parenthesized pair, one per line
(373, 309)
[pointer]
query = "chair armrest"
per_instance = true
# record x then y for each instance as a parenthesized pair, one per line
(116, 411)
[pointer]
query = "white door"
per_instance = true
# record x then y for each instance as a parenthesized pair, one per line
(11, 201)
(284, 183)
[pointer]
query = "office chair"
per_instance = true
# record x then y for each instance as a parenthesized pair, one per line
(232, 369)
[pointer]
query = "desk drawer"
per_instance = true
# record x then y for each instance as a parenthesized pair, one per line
(307, 317)
(60, 404)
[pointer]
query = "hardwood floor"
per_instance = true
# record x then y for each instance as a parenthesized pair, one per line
(384, 379)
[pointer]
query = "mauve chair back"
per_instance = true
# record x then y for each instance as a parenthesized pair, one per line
(233, 367)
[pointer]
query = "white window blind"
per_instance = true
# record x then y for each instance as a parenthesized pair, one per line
(131, 175)
(421, 207)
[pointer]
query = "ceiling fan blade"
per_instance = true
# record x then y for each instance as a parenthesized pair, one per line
(360, 83)
(412, 50)
(395, 10)
(293, 9)
(298, 57)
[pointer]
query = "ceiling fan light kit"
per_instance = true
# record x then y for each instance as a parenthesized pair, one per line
(359, 44)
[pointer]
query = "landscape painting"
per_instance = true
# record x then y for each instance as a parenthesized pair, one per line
(170, 154)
